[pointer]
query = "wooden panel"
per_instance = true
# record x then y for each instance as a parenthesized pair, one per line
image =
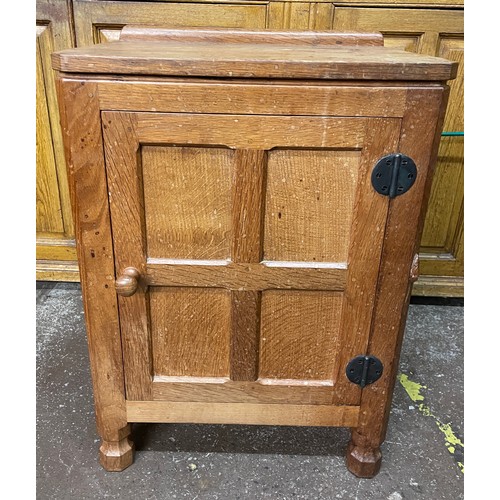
(300, 15)
(190, 331)
(401, 41)
(127, 211)
(54, 222)
(245, 131)
(299, 337)
(309, 204)
(419, 140)
(253, 60)
(225, 35)
(48, 204)
(248, 209)
(397, 22)
(93, 17)
(229, 391)
(242, 413)
(187, 194)
(274, 99)
(54, 270)
(442, 240)
(247, 277)
(368, 228)
(80, 116)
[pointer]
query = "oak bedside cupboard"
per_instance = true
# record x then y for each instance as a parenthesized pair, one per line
(248, 208)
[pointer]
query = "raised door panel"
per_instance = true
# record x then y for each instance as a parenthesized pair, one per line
(442, 240)
(56, 253)
(97, 22)
(243, 297)
(440, 33)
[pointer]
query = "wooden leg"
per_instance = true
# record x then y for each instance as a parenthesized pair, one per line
(363, 456)
(117, 455)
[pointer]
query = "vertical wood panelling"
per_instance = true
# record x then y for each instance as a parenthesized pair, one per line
(54, 221)
(125, 190)
(247, 211)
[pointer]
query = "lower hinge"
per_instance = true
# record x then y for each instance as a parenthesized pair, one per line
(364, 370)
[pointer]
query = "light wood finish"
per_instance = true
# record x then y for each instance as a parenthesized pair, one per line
(233, 319)
(190, 331)
(187, 188)
(419, 141)
(247, 277)
(278, 99)
(257, 60)
(237, 391)
(80, 118)
(320, 38)
(56, 270)
(290, 350)
(432, 32)
(101, 21)
(54, 224)
(245, 413)
(309, 204)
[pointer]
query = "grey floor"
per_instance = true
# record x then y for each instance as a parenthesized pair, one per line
(422, 453)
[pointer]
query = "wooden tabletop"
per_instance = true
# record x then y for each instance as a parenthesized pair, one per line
(253, 55)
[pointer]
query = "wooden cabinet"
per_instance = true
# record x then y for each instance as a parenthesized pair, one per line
(422, 26)
(238, 264)
(56, 252)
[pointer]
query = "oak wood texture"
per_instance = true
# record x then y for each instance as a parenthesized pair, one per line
(316, 39)
(80, 118)
(252, 257)
(151, 335)
(432, 32)
(55, 243)
(253, 60)
(419, 141)
(245, 413)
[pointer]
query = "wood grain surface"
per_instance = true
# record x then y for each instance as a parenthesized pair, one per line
(244, 413)
(254, 60)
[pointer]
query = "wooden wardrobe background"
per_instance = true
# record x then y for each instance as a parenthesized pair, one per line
(423, 26)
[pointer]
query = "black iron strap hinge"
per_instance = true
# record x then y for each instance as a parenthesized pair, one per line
(364, 370)
(394, 174)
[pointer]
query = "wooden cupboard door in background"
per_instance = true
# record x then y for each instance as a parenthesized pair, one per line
(97, 22)
(440, 33)
(258, 242)
(56, 253)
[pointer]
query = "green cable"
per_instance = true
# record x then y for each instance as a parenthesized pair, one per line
(452, 134)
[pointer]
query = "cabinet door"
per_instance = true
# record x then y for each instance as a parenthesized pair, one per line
(440, 33)
(55, 250)
(258, 242)
(97, 22)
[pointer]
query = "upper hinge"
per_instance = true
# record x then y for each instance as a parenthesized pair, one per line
(394, 174)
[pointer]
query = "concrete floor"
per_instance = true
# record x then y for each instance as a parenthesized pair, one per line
(422, 453)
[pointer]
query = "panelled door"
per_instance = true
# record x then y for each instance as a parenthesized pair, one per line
(256, 243)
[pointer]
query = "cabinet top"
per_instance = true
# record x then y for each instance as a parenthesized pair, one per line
(253, 54)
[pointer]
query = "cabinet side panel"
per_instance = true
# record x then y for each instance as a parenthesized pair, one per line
(80, 117)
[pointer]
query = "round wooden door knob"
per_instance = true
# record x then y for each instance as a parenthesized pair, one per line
(126, 285)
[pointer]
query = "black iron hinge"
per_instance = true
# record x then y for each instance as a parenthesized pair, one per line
(364, 370)
(394, 174)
